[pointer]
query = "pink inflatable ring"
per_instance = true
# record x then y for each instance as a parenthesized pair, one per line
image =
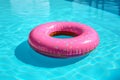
(85, 39)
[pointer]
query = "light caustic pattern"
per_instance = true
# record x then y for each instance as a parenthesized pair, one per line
(19, 62)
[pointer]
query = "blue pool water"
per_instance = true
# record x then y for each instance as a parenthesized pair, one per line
(19, 62)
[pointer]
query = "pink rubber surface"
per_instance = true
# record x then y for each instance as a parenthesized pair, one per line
(42, 42)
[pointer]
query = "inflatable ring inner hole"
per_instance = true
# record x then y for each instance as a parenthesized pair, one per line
(67, 33)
